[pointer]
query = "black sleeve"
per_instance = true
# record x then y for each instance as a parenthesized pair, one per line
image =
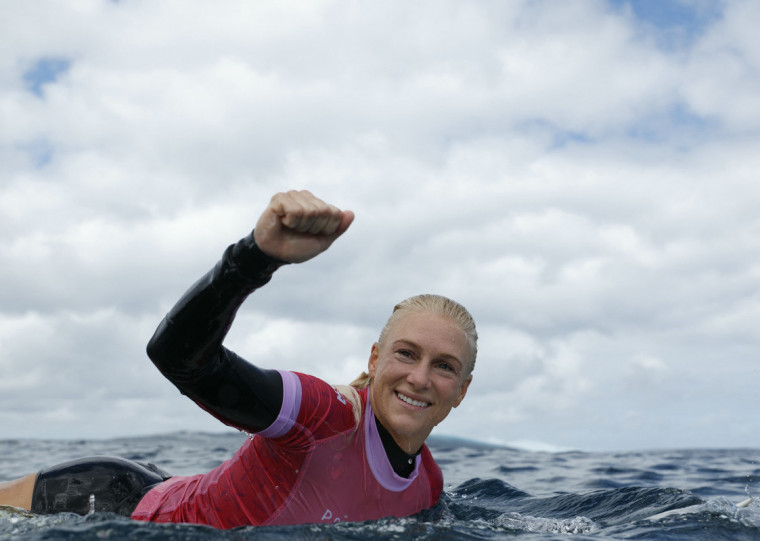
(187, 346)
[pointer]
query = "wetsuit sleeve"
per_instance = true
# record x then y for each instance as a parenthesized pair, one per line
(187, 346)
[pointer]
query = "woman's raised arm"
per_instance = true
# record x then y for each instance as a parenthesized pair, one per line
(187, 346)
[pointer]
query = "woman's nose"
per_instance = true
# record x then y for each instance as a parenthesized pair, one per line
(419, 375)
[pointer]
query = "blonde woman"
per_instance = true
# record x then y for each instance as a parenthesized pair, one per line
(319, 453)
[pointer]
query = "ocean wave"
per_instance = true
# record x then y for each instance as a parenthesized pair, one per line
(490, 493)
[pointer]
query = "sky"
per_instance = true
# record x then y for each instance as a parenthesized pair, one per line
(581, 175)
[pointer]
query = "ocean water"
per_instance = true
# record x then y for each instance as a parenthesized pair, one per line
(489, 493)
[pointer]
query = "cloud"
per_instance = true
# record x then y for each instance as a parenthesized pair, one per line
(579, 175)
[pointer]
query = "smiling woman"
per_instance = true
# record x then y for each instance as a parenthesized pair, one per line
(431, 342)
(421, 368)
(318, 453)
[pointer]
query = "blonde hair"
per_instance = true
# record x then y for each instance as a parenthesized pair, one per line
(434, 304)
(440, 306)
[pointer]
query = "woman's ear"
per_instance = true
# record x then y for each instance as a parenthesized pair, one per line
(374, 355)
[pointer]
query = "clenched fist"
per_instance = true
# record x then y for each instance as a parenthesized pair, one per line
(297, 226)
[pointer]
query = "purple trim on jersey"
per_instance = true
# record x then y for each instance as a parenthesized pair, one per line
(291, 405)
(378, 458)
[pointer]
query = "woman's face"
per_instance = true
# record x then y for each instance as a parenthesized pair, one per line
(419, 373)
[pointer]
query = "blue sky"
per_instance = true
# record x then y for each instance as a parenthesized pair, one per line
(690, 15)
(45, 71)
(581, 175)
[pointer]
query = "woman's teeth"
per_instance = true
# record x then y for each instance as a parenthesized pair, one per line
(412, 401)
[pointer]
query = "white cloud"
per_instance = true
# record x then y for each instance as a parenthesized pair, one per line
(587, 192)
(722, 72)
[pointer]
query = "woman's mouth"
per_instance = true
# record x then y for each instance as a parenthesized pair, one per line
(412, 401)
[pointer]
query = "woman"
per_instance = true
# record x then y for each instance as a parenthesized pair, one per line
(319, 453)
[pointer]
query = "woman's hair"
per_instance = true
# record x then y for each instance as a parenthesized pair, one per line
(440, 306)
(434, 304)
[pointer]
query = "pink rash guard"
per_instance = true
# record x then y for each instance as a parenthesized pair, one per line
(311, 465)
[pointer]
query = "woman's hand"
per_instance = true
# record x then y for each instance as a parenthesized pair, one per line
(297, 226)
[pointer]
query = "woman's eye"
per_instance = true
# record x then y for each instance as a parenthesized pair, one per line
(446, 366)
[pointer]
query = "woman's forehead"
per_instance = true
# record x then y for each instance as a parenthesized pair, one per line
(430, 330)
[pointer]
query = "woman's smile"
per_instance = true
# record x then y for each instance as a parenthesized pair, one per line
(412, 401)
(420, 372)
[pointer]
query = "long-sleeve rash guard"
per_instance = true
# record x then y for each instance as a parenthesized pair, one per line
(308, 462)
